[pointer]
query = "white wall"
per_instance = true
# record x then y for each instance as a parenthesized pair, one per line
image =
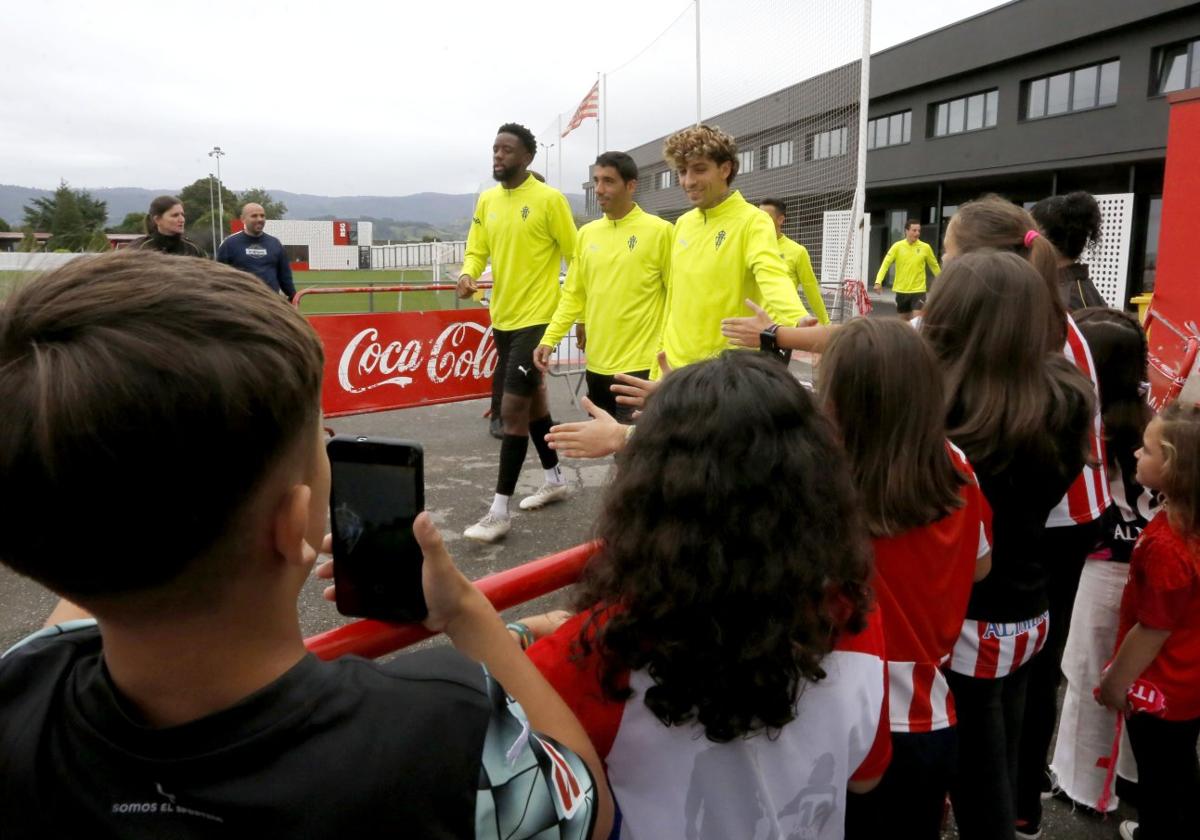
(318, 236)
(16, 261)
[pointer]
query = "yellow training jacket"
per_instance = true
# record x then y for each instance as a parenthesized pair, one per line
(795, 257)
(910, 263)
(618, 284)
(526, 232)
(721, 257)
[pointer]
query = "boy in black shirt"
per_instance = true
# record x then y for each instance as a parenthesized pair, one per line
(178, 401)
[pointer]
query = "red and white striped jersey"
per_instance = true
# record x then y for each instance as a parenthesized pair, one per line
(1088, 497)
(989, 650)
(923, 580)
(672, 783)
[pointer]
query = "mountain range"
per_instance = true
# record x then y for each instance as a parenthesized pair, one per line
(444, 211)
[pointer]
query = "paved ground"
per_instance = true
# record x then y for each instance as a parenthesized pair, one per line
(460, 474)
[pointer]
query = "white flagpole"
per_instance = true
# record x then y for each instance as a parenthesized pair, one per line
(560, 145)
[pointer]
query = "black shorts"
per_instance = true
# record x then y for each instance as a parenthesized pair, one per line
(599, 387)
(514, 359)
(908, 301)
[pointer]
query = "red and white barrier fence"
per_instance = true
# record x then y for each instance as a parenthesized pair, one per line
(381, 361)
(504, 589)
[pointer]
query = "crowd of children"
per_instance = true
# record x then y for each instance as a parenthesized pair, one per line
(808, 616)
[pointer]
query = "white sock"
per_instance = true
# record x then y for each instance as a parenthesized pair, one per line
(554, 476)
(500, 506)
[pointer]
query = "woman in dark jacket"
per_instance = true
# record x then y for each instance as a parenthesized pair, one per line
(1072, 222)
(164, 229)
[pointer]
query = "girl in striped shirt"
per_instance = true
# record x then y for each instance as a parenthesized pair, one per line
(880, 384)
(1021, 412)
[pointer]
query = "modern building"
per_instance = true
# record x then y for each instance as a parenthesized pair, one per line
(1030, 99)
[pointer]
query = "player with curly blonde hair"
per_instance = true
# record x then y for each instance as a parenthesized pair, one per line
(724, 252)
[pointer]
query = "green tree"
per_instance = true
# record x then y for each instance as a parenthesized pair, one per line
(4, 228)
(275, 209)
(97, 242)
(39, 213)
(132, 223)
(67, 229)
(196, 203)
(28, 242)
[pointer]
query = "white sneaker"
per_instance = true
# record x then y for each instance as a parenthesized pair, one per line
(546, 494)
(1128, 830)
(489, 529)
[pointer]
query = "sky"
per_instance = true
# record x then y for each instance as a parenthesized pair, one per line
(389, 98)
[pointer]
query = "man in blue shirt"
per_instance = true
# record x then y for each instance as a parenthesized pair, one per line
(258, 253)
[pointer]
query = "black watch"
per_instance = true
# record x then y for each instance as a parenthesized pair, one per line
(768, 344)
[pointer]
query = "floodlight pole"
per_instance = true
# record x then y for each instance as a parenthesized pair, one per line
(546, 147)
(218, 154)
(212, 214)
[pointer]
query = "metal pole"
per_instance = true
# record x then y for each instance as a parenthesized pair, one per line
(560, 145)
(858, 207)
(604, 106)
(598, 95)
(218, 154)
(698, 62)
(212, 214)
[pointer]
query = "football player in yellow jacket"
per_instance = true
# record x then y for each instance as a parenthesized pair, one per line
(617, 285)
(911, 257)
(526, 229)
(725, 251)
(795, 257)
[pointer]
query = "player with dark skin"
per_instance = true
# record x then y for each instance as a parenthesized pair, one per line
(510, 167)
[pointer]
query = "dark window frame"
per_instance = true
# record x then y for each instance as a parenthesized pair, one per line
(905, 129)
(1070, 73)
(842, 132)
(1191, 58)
(934, 114)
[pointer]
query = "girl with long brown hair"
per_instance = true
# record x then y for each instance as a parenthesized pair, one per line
(1020, 412)
(880, 384)
(1073, 525)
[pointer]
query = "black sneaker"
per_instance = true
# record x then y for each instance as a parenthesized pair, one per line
(496, 428)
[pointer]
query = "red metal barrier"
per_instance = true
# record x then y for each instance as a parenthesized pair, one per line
(381, 361)
(1172, 357)
(504, 589)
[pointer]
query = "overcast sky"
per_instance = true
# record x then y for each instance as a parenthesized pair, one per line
(389, 98)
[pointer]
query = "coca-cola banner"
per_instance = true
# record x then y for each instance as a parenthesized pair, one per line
(388, 360)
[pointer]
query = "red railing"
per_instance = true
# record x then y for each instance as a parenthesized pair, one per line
(504, 589)
(363, 290)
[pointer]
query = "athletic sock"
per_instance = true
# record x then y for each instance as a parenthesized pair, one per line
(500, 506)
(512, 458)
(538, 429)
(554, 476)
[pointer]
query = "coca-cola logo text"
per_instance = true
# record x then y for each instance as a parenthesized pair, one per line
(463, 350)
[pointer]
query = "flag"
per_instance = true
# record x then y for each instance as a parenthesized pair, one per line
(589, 107)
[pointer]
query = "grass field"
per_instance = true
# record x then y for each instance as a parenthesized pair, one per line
(378, 301)
(337, 304)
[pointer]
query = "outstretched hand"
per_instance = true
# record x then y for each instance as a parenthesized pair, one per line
(633, 390)
(590, 438)
(745, 332)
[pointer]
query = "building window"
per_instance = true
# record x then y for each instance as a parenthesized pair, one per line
(891, 130)
(779, 154)
(1176, 67)
(746, 161)
(1094, 86)
(665, 179)
(827, 144)
(967, 113)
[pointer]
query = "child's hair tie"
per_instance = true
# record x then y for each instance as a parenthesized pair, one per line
(1030, 235)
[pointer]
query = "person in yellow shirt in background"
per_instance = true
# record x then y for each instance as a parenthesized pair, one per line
(725, 251)
(525, 227)
(911, 256)
(617, 283)
(795, 257)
